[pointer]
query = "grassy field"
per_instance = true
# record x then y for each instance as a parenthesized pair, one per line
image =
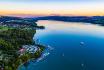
(4, 28)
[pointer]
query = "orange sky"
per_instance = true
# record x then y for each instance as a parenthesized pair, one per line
(95, 8)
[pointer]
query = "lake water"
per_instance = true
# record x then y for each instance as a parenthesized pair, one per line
(74, 46)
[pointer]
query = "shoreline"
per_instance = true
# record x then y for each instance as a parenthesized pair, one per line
(44, 54)
(16, 38)
(31, 59)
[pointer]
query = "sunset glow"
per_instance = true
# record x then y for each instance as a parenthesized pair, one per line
(55, 7)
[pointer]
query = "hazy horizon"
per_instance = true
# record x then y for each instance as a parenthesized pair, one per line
(52, 7)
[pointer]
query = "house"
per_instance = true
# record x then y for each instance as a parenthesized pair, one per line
(30, 48)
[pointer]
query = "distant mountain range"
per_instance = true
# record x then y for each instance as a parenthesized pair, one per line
(93, 19)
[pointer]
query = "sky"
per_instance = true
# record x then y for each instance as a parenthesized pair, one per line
(52, 7)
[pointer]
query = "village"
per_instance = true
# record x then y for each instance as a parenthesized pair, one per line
(18, 23)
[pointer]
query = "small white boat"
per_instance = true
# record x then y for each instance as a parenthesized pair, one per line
(82, 65)
(63, 54)
(82, 43)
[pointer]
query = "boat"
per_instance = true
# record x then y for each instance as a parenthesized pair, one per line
(82, 43)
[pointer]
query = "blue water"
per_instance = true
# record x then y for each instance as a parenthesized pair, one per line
(68, 53)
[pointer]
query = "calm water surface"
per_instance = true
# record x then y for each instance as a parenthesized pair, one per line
(74, 46)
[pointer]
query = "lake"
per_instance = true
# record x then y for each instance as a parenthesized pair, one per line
(73, 46)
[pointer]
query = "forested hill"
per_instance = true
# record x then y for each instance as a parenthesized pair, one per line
(16, 21)
(88, 19)
(92, 19)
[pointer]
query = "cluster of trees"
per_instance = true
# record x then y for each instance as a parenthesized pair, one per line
(14, 33)
(5, 45)
(11, 41)
(14, 38)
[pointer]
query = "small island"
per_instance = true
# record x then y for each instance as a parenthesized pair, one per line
(16, 44)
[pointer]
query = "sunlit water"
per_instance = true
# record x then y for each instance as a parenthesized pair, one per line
(75, 46)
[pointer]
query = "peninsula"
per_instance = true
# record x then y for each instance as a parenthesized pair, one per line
(16, 43)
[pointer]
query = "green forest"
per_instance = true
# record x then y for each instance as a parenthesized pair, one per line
(11, 40)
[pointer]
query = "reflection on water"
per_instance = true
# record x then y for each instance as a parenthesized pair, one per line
(76, 28)
(75, 46)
